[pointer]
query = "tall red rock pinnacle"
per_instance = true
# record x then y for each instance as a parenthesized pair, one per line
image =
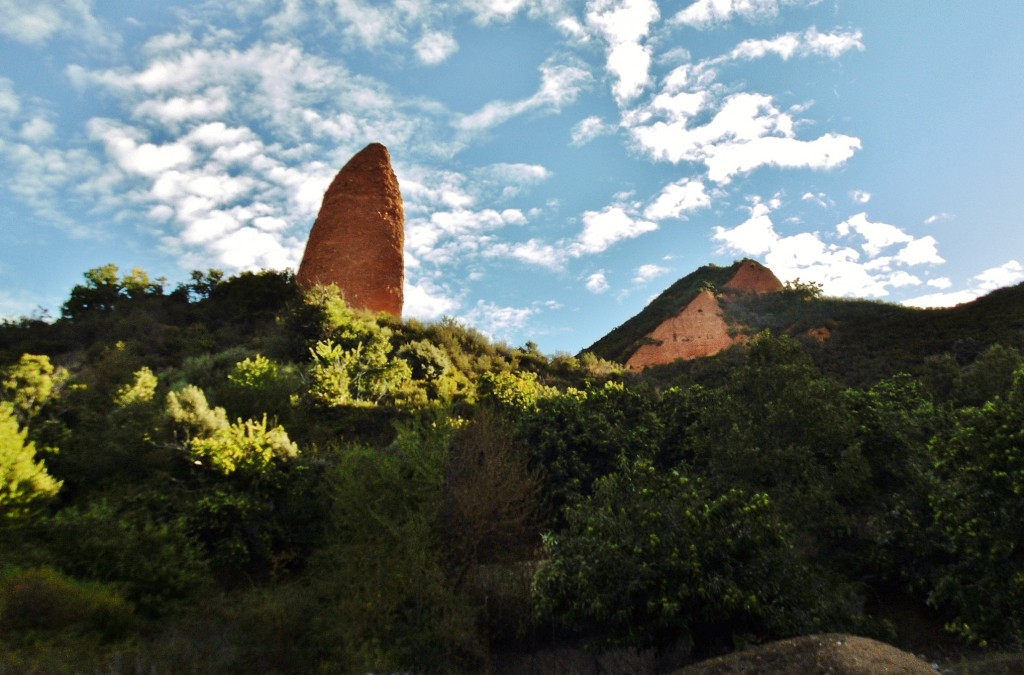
(358, 237)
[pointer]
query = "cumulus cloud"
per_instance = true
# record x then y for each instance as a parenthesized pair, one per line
(646, 273)
(727, 160)
(36, 21)
(1007, 274)
(877, 236)
(859, 258)
(602, 229)
(434, 48)
(860, 196)
(704, 14)
(506, 180)
(624, 24)
(746, 133)
(426, 300)
(597, 282)
(588, 129)
(808, 43)
(37, 130)
(755, 236)
(10, 104)
(496, 320)
(678, 198)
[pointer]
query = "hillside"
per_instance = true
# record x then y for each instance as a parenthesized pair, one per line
(856, 340)
(237, 476)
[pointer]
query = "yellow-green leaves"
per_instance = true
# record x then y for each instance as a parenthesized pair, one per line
(24, 481)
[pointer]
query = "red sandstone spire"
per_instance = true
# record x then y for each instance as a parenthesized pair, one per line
(358, 237)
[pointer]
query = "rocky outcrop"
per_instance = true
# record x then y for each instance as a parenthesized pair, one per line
(754, 277)
(700, 329)
(357, 240)
(831, 653)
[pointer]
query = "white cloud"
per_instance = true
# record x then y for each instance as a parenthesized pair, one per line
(826, 152)
(997, 277)
(808, 43)
(624, 24)
(434, 48)
(860, 196)
(920, 251)
(10, 104)
(560, 85)
(1007, 274)
(934, 218)
(210, 104)
(588, 129)
(498, 321)
(941, 283)
(820, 198)
(646, 273)
(755, 236)
(597, 282)
(534, 252)
(747, 132)
(447, 237)
(840, 268)
(125, 146)
(877, 236)
(678, 198)
(37, 130)
(36, 21)
(506, 180)
(424, 300)
(708, 13)
(369, 24)
(604, 228)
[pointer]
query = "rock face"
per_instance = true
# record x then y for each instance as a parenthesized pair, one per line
(699, 329)
(752, 276)
(358, 238)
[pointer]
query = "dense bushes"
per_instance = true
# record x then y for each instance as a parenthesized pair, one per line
(296, 485)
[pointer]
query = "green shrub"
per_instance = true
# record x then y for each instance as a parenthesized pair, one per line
(652, 559)
(43, 599)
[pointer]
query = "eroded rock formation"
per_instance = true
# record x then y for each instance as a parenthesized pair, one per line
(754, 277)
(358, 238)
(700, 329)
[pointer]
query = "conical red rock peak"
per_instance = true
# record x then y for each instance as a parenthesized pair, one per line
(358, 238)
(753, 276)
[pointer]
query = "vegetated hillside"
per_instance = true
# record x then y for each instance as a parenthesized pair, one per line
(619, 344)
(858, 341)
(234, 476)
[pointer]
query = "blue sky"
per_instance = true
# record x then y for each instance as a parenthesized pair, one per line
(561, 162)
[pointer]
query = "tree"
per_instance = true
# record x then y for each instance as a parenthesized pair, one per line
(979, 508)
(100, 293)
(24, 481)
(654, 559)
(776, 426)
(30, 384)
(249, 446)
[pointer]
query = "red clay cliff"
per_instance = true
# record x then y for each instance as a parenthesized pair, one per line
(358, 238)
(700, 329)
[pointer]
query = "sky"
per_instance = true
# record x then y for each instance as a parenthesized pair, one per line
(561, 162)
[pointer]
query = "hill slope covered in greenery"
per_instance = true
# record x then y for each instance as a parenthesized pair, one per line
(233, 476)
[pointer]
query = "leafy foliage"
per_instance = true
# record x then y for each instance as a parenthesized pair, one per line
(438, 497)
(653, 558)
(24, 481)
